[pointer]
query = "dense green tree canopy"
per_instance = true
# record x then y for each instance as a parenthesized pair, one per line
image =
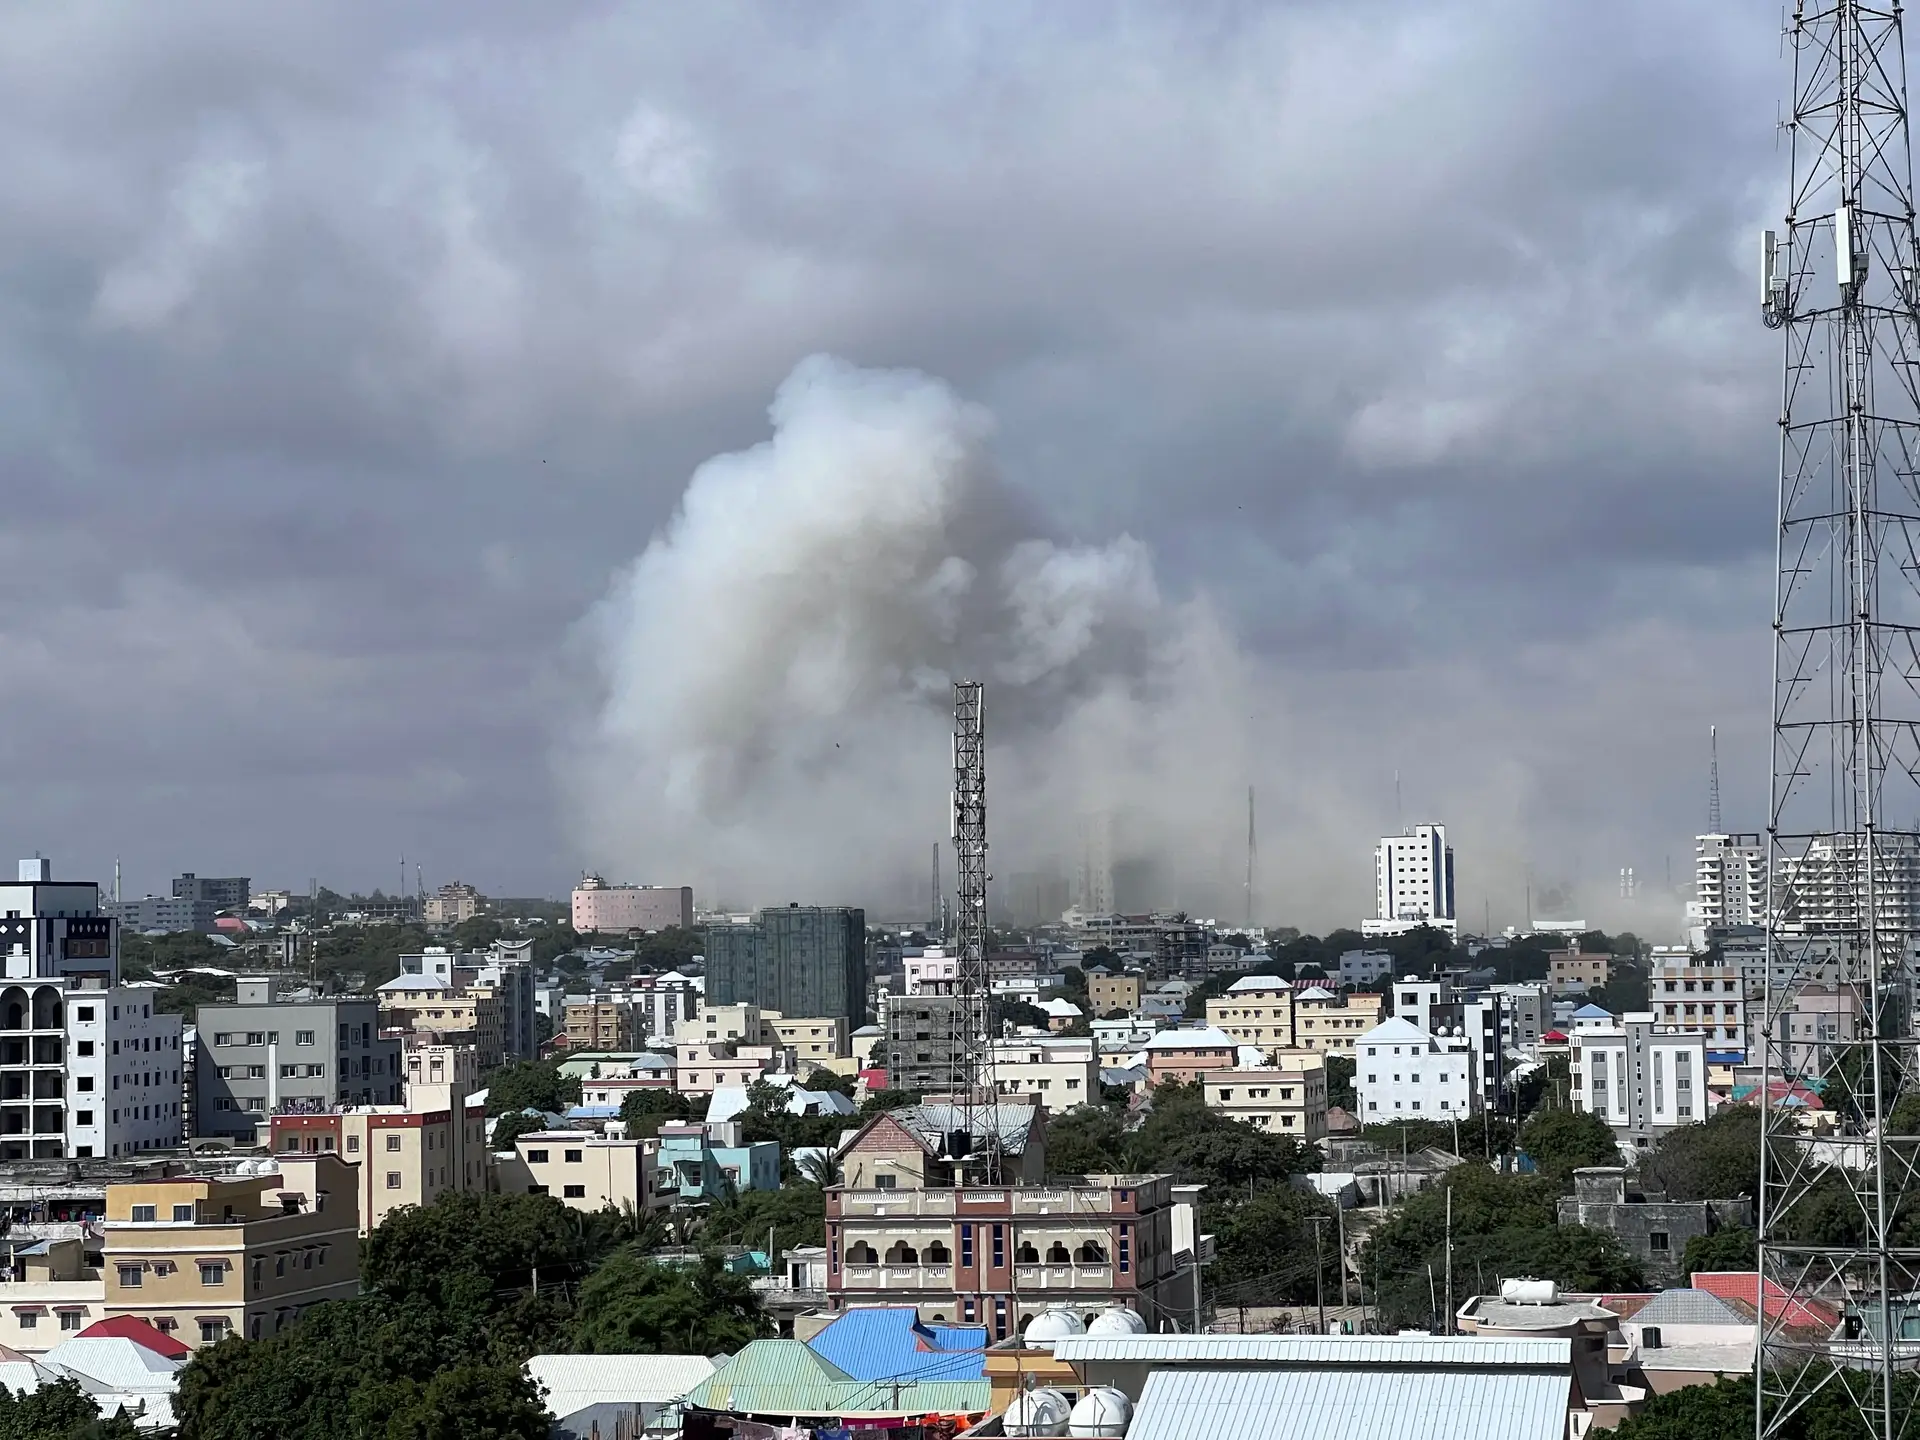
(635, 1306)
(531, 1084)
(1562, 1141)
(1733, 1248)
(1717, 1160)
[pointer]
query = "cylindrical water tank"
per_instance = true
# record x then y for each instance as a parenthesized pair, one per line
(1118, 1320)
(1101, 1412)
(1528, 1292)
(1036, 1412)
(1050, 1325)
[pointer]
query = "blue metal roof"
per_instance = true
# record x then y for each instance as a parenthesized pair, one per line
(888, 1342)
(1353, 1402)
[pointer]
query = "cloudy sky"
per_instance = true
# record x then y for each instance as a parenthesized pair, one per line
(350, 356)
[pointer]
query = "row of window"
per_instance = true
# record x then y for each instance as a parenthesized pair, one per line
(259, 1072)
(349, 1034)
(134, 1112)
(213, 1273)
(84, 1083)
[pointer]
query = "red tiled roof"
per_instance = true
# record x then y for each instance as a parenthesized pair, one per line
(131, 1327)
(1554, 1035)
(1796, 1312)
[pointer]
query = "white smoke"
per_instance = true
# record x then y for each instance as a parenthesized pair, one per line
(777, 667)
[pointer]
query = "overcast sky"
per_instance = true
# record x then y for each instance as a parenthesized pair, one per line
(349, 353)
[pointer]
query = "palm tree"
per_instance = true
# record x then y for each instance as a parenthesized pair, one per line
(819, 1167)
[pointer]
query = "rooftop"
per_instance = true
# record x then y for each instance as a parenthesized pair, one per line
(887, 1342)
(1201, 1037)
(574, 1382)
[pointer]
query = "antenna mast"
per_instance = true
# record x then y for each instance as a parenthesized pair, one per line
(1713, 781)
(975, 1093)
(1843, 889)
(1252, 851)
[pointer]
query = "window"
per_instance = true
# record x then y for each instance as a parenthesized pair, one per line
(999, 1245)
(130, 1277)
(393, 1142)
(287, 1072)
(316, 1069)
(213, 1272)
(303, 1037)
(574, 1192)
(86, 1012)
(536, 1157)
(1126, 1249)
(1658, 1241)
(353, 1144)
(143, 1213)
(573, 1157)
(83, 1117)
(393, 1179)
(214, 1331)
(183, 1213)
(966, 1244)
(28, 1319)
(256, 1037)
(84, 1047)
(886, 1180)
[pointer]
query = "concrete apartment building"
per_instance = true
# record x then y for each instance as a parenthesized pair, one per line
(932, 971)
(909, 1148)
(51, 1294)
(453, 904)
(1403, 1073)
(1729, 880)
(205, 1257)
(419, 1006)
(900, 1232)
(1107, 993)
(1287, 1097)
(276, 1051)
(162, 915)
(227, 892)
(399, 1154)
(597, 1022)
(585, 1171)
(703, 1066)
(1060, 1072)
(1186, 1054)
(1808, 1028)
(813, 1039)
(800, 960)
(1575, 971)
(1707, 999)
(496, 990)
(600, 908)
(1332, 1024)
(1639, 1077)
(1256, 1010)
(86, 1068)
(1413, 879)
(919, 1048)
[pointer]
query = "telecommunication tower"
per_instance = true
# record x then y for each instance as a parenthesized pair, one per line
(1839, 281)
(1713, 781)
(976, 1136)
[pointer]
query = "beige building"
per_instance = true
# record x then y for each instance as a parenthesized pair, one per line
(242, 1254)
(1576, 971)
(1060, 1072)
(584, 1171)
(1107, 993)
(50, 1293)
(906, 1149)
(454, 903)
(1256, 1010)
(701, 1067)
(1287, 1098)
(598, 1023)
(742, 1024)
(812, 1038)
(401, 1155)
(455, 1066)
(1332, 1023)
(437, 1012)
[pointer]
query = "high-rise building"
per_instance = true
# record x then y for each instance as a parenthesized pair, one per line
(160, 913)
(600, 908)
(800, 960)
(229, 892)
(1820, 889)
(1413, 879)
(452, 904)
(87, 1069)
(1729, 880)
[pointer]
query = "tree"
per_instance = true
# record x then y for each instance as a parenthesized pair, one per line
(643, 1111)
(634, 1306)
(478, 933)
(797, 1215)
(1088, 1141)
(531, 1084)
(472, 1402)
(883, 1099)
(1719, 1160)
(819, 1166)
(1272, 1234)
(1732, 1248)
(1562, 1141)
(509, 1128)
(58, 1410)
(1340, 1090)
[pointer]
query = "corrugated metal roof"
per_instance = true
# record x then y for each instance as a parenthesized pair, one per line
(1353, 1404)
(1688, 1307)
(573, 1382)
(1322, 1350)
(886, 1342)
(786, 1378)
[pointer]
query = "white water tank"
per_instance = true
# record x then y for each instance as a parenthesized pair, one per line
(1036, 1412)
(1101, 1412)
(1529, 1292)
(1050, 1325)
(1118, 1320)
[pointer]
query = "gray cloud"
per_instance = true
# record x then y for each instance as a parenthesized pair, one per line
(348, 355)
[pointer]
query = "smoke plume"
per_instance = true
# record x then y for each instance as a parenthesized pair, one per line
(777, 667)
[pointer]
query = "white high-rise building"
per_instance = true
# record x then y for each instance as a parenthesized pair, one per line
(1413, 881)
(1729, 880)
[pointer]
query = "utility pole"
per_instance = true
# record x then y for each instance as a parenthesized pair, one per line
(1319, 1270)
(1840, 281)
(1450, 1258)
(1252, 850)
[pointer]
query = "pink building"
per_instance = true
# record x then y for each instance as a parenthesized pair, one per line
(1185, 1054)
(616, 909)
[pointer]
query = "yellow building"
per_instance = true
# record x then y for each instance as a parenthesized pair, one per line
(1332, 1023)
(1107, 993)
(400, 1154)
(814, 1039)
(1288, 1097)
(584, 1171)
(1256, 1010)
(442, 1012)
(52, 1293)
(202, 1258)
(597, 1024)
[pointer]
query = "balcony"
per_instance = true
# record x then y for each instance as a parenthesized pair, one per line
(897, 1277)
(1063, 1277)
(896, 1202)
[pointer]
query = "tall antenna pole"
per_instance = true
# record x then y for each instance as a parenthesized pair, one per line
(933, 913)
(1713, 781)
(1253, 849)
(974, 1088)
(1839, 281)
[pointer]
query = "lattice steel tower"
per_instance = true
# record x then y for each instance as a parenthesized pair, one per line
(1838, 1213)
(971, 1039)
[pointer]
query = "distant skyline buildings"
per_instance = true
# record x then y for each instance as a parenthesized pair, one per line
(1413, 881)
